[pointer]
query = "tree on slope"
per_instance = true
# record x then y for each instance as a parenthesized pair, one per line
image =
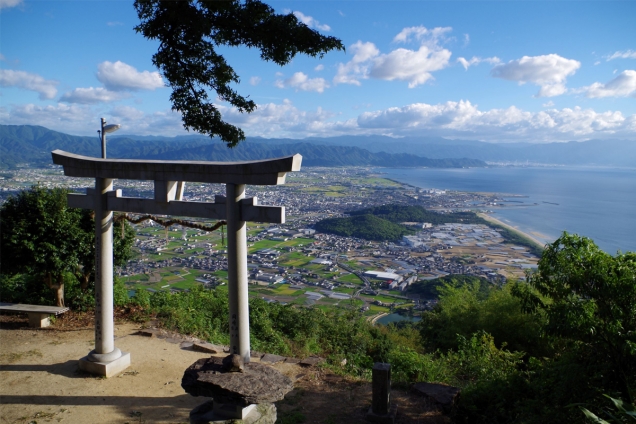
(589, 300)
(42, 237)
(189, 32)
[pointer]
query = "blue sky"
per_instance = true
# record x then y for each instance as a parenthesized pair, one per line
(498, 71)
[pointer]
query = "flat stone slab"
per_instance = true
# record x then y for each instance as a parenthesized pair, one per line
(207, 347)
(264, 413)
(41, 309)
(259, 383)
(292, 360)
(272, 359)
(444, 395)
(311, 361)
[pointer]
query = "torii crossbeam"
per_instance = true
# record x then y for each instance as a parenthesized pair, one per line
(169, 178)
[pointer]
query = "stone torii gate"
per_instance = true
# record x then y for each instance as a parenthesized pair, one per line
(169, 178)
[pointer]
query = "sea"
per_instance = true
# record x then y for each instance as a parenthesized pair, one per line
(544, 201)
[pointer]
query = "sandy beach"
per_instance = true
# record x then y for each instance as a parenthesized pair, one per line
(511, 228)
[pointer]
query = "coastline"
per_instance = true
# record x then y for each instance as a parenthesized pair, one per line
(496, 221)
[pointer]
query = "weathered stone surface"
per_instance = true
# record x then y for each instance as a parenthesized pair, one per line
(258, 384)
(264, 413)
(234, 363)
(255, 354)
(272, 359)
(207, 347)
(310, 361)
(445, 396)
(292, 360)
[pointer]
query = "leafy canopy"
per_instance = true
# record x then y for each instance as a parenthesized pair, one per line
(45, 239)
(189, 33)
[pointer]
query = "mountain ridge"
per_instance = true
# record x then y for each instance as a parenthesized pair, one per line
(33, 144)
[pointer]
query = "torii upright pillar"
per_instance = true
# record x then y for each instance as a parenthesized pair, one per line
(169, 178)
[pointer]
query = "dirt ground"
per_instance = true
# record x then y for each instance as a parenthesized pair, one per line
(40, 381)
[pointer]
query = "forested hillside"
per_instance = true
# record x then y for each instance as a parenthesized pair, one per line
(22, 144)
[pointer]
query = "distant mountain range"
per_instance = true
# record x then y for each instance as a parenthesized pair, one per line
(592, 152)
(33, 144)
(21, 144)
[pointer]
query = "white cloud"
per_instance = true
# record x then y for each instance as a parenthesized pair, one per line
(475, 60)
(412, 66)
(255, 80)
(466, 39)
(548, 72)
(548, 104)
(119, 76)
(627, 54)
(623, 85)
(308, 20)
(9, 3)
(71, 119)
(464, 120)
(301, 81)
(114, 23)
(92, 95)
(461, 120)
(358, 67)
(319, 68)
(81, 119)
(421, 34)
(28, 81)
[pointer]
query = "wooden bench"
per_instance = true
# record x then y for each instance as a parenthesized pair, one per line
(38, 315)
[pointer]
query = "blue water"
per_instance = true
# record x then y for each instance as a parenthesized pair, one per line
(599, 203)
(387, 319)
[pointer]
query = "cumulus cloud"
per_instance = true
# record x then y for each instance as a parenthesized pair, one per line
(302, 82)
(464, 120)
(627, 54)
(475, 60)
(549, 72)
(28, 81)
(90, 95)
(255, 80)
(624, 85)
(412, 66)
(358, 67)
(9, 3)
(461, 119)
(308, 20)
(319, 67)
(119, 76)
(80, 119)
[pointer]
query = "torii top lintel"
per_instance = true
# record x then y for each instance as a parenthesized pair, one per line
(262, 172)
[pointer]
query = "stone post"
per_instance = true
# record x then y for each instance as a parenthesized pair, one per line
(381, 376)
(105, 359)
(237, 273)
(381, 409)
